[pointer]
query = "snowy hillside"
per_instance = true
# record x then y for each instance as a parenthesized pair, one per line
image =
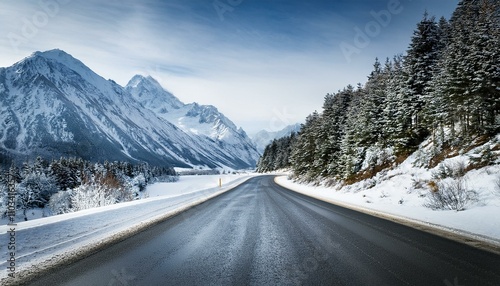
(262, 138)
(52, 105)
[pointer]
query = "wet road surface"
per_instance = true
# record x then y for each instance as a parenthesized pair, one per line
(262, 234)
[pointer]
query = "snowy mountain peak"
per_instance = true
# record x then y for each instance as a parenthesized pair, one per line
(146, 81)
(57, 55)
(47, 61)
(64, 58)
(52, 105)
(193, 118)
(152, 95)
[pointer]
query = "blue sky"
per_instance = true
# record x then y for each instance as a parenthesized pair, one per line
(263, 63)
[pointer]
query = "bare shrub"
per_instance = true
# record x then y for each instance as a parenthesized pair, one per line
(418, 184)
(433, 186)
(451, 195)
(459, 169)
(330, 182)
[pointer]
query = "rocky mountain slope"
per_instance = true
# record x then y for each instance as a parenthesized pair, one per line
(52, 105)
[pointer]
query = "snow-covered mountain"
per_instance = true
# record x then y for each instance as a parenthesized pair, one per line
(201, 120)
(262, 138)
(52, 105)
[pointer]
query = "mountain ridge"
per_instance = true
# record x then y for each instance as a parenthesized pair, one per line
(262, 138)
(52, 105)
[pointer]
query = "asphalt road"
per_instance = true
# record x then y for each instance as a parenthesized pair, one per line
(263, 234)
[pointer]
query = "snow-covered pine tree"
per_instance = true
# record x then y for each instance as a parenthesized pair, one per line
(370, 123)
(326, 136)
(36, 186)
(351, 155)
(281, 156)
(449, 80)
(486, 58)
(266, 163)
(67, 172)
(334, 117)
(303, 155)
(436, 113)
(290, 146)
(397, 113)
(420, 64)
(321, 144)
(469, 77)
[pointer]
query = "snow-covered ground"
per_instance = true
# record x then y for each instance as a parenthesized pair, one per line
(188, 184)
(404, 191)
(42, 242)
(399, 193)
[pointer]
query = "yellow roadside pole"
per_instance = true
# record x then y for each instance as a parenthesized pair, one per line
(220, 182)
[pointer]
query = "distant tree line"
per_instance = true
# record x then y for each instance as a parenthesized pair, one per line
(71, 184)
(277, 154)
(447, 86)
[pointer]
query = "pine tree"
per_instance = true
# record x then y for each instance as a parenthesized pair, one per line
(397, 113)
(436, 113)
(266, 163)
(334, 116)
(304, 153)
(421, 63)
(351, 154)
(449, 80)
(486, 56)
(469, 77)
(368, 127)
(277, 154)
